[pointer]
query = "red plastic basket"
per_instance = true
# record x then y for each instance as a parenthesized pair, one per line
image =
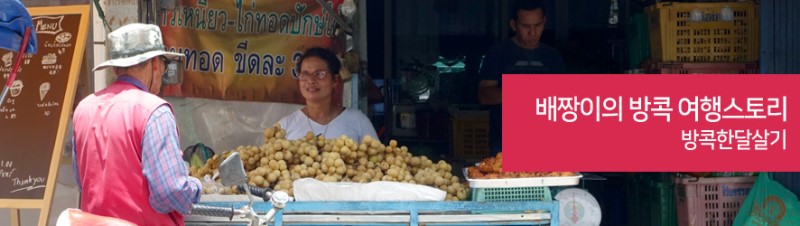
(710, 201)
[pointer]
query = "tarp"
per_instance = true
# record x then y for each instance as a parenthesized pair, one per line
(14, 18)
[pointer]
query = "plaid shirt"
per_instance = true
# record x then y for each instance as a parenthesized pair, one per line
(171, 189)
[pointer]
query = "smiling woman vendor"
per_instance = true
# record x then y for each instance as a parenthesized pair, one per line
(318, 79)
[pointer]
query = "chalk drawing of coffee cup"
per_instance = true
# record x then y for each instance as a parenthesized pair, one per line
(16, 88)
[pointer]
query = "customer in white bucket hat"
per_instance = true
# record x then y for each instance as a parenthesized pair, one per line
(128, 162)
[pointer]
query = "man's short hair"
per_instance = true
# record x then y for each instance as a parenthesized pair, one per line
(527, 5)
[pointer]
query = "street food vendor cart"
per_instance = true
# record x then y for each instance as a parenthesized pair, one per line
(503, 201)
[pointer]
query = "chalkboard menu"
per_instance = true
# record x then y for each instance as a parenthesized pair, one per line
(34, 116)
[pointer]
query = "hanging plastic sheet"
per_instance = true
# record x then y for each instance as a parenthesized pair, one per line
(14, 18)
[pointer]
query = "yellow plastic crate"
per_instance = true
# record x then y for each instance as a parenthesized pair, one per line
(470, 135)
(704, 32)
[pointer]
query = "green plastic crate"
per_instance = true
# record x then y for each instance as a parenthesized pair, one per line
(634, 198)
(663, 211)
(644, 200)
(511, 194)
(638, 40)
(651, 200)
(659, 178)
(632, 189)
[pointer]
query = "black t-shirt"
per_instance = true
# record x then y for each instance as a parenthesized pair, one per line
(507, 57)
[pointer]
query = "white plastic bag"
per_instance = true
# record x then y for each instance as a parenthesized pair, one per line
(309, 189)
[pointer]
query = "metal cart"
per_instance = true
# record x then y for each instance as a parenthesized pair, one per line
(396, 213)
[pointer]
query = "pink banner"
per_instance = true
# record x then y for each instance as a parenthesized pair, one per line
(650, 123)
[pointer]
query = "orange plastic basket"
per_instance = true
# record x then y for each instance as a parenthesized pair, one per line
(704, 32)
(470, 135)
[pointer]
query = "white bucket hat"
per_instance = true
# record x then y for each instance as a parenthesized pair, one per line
(135, 43)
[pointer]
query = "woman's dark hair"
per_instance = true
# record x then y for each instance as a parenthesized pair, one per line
(326, 55)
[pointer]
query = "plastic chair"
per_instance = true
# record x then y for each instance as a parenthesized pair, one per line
(76, 217)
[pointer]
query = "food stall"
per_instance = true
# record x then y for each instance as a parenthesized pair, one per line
(239, 78)
(253, 83)
(339, 181)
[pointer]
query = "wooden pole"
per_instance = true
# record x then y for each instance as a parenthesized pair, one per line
(15, 217)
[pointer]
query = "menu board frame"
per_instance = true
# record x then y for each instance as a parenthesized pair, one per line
(44, 203)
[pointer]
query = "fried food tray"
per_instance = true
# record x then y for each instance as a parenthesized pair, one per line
(522, 182)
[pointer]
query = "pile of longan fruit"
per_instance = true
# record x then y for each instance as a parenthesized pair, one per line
(278, 162)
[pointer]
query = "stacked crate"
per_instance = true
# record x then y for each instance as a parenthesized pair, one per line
(710, 201)
(703, 38)
(651, 199)
(638, 40)
(470, 135)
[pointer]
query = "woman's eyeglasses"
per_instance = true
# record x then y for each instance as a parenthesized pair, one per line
(318, 75)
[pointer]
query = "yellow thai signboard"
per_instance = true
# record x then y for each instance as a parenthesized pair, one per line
(246, 49)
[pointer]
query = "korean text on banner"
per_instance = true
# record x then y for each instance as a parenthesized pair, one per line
(684, 123)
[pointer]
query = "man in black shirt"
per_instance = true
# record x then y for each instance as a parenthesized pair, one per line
(522, 54)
